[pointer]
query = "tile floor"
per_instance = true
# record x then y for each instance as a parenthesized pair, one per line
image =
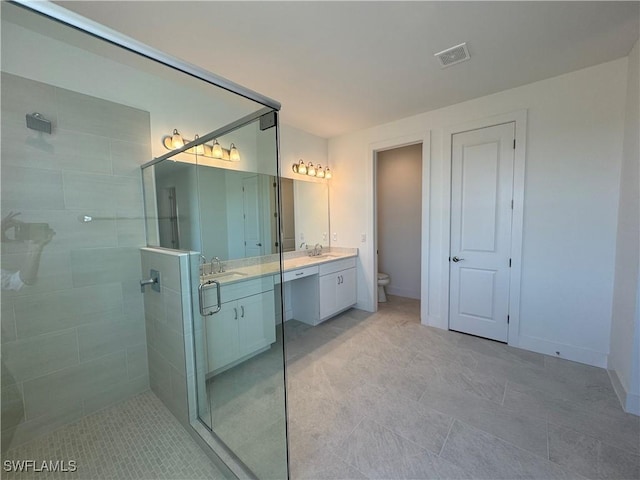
(248, 412)
(136, 439)
(381, 396)
(375, 396)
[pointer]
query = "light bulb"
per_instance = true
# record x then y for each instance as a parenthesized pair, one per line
(327, 173)
(311, 170)
(234, 155)
(198, 149)
(176, 139)
(320, 172)
(302, 168)
(216, 151)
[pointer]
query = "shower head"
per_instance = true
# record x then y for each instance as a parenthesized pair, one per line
(36, 121)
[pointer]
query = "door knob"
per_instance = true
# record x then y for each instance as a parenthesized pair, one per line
(456, 259)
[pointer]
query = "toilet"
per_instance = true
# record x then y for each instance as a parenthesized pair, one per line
(383, 280)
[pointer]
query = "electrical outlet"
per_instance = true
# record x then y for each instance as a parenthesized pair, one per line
(363, 237)
(301, 237)
(324, 236)
(335, 236)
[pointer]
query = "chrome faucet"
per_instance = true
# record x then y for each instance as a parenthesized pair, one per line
(305, 245)
(317, 250)
(217, 260)
(203, 264)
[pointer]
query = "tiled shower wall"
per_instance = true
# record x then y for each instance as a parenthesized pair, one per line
(168, 322)
(75, 341)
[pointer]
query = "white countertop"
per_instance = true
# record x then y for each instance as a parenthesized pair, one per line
(235, 274)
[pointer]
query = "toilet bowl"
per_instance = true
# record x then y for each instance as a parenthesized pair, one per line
(383, 280)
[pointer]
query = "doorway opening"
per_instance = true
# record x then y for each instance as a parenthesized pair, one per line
(398, 220)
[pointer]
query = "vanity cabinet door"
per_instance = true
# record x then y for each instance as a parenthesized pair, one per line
(346, 289)
(222, 336)
(328, 295)
(257, 322)
(337, 292)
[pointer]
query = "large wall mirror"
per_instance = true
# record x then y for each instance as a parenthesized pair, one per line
(243, 205)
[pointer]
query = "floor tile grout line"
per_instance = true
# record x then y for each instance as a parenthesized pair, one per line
(548, 447)
(504, 394)
(402, 436)
(596, 437)
(453, 420)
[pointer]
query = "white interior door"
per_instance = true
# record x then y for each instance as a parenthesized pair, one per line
(481, 212)
(253, 244)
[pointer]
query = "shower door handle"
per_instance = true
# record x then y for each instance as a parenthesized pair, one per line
(201, 288)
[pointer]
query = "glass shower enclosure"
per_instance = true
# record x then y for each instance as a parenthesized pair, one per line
(83, 109)
(224, 212)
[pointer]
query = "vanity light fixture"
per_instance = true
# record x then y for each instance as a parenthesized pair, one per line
(175, 140)
(310, 170)
(234, 155)
(300, 167)
(198, 149)
(216, 150)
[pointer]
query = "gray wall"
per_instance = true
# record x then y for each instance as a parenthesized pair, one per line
(399, 205)
(74, 342)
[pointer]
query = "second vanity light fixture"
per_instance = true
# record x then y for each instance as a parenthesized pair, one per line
(311, 170)
(175, 140)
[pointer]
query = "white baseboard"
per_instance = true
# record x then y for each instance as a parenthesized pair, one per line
(630, 402)
(403, 292)
(435, 321)
(568, 352)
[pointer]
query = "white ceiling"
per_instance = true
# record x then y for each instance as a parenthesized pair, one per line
(337, 67)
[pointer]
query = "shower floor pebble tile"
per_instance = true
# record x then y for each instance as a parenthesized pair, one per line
(136, 439)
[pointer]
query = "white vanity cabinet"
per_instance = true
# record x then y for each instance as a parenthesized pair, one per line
(337, 287)
(245, 324)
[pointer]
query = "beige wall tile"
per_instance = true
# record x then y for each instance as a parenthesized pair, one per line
(7, 320)
(37, 356)
(21, 96)
(103, 265)
(137, 361)
(115, 393)
(73, 384)
(98, 339)
(45, 313)
(126, 157)
(31, 189)
(94, 192)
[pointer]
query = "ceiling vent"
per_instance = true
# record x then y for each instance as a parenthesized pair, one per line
(453, 55)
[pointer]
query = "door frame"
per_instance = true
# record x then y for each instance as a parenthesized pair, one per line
(519, 117)
(424, 138)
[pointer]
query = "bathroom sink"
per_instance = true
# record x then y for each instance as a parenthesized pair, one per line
(325, 255)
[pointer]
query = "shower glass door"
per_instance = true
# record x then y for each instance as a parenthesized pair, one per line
(223, 210)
